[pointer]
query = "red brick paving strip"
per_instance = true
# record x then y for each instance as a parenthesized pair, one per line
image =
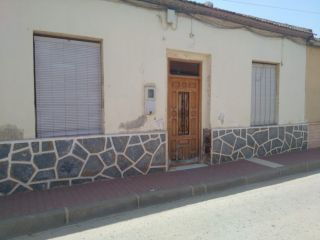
(295, 157)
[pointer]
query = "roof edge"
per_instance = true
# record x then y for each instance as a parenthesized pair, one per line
(189, 7)
(315, 42)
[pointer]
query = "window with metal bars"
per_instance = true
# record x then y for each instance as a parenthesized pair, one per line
(183, 113)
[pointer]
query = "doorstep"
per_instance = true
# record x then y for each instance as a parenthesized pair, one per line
(29, 212)
(187, 167)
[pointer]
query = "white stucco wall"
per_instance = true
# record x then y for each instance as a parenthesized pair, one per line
(135, 46)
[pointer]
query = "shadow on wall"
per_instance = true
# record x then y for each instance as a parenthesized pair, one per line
(137, 123)
(10, 132)
(143, 123)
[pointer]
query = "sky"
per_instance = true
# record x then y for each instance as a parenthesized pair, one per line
(301, 13)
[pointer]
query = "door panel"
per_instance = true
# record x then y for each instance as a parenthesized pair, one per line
(183, 117)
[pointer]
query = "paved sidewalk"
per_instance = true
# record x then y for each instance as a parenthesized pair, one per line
(33, 211)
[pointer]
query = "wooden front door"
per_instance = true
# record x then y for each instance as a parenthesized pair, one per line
(183, 117)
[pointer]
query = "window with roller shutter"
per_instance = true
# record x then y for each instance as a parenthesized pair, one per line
(264, 95)
(68, 87)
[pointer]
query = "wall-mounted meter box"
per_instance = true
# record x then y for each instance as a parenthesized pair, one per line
(171, 16)
(149, 99)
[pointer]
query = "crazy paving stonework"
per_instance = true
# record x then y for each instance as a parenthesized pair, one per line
(243, 143)
(43, 164)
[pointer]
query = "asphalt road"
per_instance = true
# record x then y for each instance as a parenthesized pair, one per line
(283, 210)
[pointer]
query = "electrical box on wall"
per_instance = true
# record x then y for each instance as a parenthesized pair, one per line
(149, 99)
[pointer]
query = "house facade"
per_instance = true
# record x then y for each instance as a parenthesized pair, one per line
(95, 90)
(313, 94)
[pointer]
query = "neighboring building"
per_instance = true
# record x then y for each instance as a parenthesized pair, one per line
(93, 89)
(313, 93)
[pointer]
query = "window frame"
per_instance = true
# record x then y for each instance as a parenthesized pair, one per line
(76, 38)
(277, 85)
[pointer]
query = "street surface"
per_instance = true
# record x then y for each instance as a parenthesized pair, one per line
(287, 210)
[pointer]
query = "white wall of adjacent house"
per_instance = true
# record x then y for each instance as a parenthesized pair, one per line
(135, 47)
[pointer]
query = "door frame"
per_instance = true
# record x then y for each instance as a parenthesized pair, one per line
(169, 59)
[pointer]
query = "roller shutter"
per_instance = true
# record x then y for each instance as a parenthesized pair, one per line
(68, 87)
(264, 95)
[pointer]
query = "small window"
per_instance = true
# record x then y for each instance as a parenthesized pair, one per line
(151, 93)
(184, 68)
(264, 95)
(67, 87)
(183, 113)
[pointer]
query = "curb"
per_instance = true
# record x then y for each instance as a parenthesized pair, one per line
(28, 224)
(31, 223)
